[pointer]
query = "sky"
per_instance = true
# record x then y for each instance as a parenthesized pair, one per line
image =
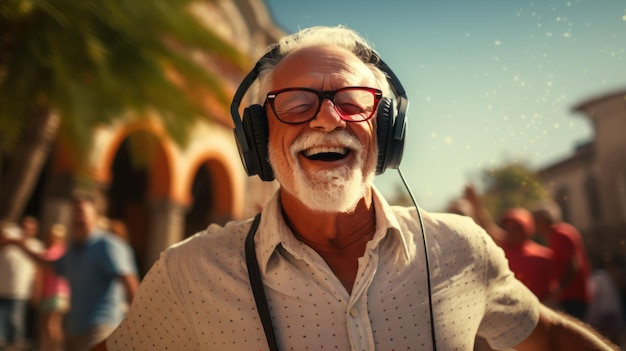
(489, 82)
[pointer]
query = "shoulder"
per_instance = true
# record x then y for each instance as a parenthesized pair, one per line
(461, 239)
(107, 247)
(448, 227)
(214, 246)
(108, 240)
(569, 231)
(449, 236)
(564, 235)
(455, 223)
(216, 237)
(539, 250)
(566, 230)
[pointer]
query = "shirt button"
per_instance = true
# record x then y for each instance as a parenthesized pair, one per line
(354, 312)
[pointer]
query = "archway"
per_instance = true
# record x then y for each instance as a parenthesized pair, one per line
(137, 162)
(211, 198)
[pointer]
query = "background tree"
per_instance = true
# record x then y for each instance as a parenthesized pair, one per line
(67, 66)
(512, 185)
(400, 196)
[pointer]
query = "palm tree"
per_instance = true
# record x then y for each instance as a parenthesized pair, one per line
(67, 66)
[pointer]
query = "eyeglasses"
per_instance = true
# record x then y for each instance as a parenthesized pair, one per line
(300, 105)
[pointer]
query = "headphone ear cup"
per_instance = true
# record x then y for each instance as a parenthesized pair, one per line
(384, 127)
(390, 130)
(257, 132)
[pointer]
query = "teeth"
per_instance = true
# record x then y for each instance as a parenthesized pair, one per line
(325, 149)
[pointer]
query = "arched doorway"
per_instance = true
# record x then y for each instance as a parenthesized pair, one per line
(211, 198)
(128, 191)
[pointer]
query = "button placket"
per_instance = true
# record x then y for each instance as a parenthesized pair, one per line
(357, 318)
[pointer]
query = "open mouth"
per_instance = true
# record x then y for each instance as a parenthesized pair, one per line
(327, 154)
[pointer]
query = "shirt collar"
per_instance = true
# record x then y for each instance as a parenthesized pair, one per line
(273, 230)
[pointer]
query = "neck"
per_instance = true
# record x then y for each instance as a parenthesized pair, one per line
(339, 238)
(82, 232)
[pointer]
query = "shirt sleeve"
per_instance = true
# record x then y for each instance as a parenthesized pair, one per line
(511, 309)
(121, 259)
(156, 319)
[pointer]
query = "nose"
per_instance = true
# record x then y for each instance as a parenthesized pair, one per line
(327, 118)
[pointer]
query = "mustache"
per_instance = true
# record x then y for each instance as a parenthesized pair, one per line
(314, 138)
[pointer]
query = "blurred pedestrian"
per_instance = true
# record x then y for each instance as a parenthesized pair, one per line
(533, 264)
(606, 309)
(17, 276)
(55, 293)
(100, 268)
(101, 271)
(474, 207)
(573, 266)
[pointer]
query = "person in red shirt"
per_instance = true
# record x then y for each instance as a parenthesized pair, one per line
(533, 264)
(55, 293)
(573, 266)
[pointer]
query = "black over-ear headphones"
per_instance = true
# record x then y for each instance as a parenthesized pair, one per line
(251, 132)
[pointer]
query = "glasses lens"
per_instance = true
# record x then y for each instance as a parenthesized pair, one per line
(295, 106)
(298, 105)
(354, 104)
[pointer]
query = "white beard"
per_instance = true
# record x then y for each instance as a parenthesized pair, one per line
(332, 190)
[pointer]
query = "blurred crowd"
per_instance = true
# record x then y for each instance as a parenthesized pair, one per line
(548, 255)
(64, 288)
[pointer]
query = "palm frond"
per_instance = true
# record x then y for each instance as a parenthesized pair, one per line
(94, 60)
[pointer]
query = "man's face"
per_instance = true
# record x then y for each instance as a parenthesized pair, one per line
(29, 227)
(84, 218)
(327, 163)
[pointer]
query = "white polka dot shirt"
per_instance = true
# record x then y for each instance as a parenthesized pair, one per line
(198, 297)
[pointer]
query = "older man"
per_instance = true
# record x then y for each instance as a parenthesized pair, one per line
(338, 268)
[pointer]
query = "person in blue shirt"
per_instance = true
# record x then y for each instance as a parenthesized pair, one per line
(102, 274)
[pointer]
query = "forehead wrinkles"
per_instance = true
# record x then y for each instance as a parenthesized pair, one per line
(316, 65)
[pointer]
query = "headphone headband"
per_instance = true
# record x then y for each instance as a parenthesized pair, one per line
(402, 101)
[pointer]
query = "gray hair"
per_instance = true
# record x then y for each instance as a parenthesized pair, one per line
(339, 36)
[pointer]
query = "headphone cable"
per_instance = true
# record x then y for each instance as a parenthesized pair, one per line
(430, 298)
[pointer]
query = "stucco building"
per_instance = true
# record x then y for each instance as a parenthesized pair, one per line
(590, 185)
